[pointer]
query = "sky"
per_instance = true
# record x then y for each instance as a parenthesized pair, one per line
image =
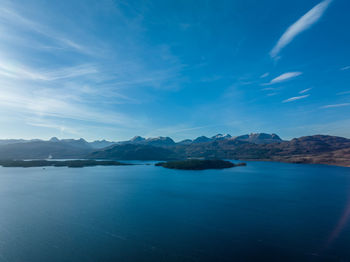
(108, 69)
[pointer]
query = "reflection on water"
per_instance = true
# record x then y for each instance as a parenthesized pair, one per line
(261, 212)
(343, 222)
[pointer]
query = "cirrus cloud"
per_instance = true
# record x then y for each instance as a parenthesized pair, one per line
(295, 98)
(303, 23)
(336, 105)
(284, 77)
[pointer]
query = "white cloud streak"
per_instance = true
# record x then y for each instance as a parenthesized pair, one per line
(264, 75)
(345, 68)
(295, 98)
(284, 77)
(18, 71)
(47, 124)
(336, 105)
(59, 106)
(268, 89)
(304, 23)
(305, 91)
(343, 93)
(13, 18)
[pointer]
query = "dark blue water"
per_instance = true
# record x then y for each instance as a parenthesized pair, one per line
(262, 212)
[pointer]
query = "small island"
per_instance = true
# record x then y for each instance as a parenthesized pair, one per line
(63, 163)
(198, 164)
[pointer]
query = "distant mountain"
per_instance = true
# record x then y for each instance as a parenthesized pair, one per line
(133, 152)
(44, 149)
(160, 141)
(185, 142)
(313, 144)
(54, 139)
(137, 139)
(310, 149)
(157, 141)
(98, 144)
(15, 141)
(221, 137)
(202, 139)
(78, 143)
(267, 147)
(259, 138)
(256, 138)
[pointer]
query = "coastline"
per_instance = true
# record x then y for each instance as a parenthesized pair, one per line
(74, 163)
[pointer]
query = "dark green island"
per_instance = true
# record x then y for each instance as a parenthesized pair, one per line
(197, 164)
(63, 163)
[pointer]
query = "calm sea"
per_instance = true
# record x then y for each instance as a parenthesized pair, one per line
(261, 212)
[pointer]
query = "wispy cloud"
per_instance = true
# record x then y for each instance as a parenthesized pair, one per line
(345, 68)
(55, 68)
(265, 75)
(304, 23)
(336, 105)
(284, 77)
(48, 124)
(294, 98)
(305, 91)
(268, 89)
(343, 93)
(272, 94)
(19, 71)
(59, 107)
(17, 20)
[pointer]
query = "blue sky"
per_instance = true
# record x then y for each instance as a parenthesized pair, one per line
(115, 69)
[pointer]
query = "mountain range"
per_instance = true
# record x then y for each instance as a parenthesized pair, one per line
(321, 149)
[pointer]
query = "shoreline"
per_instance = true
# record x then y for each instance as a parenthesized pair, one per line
(74, 163)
